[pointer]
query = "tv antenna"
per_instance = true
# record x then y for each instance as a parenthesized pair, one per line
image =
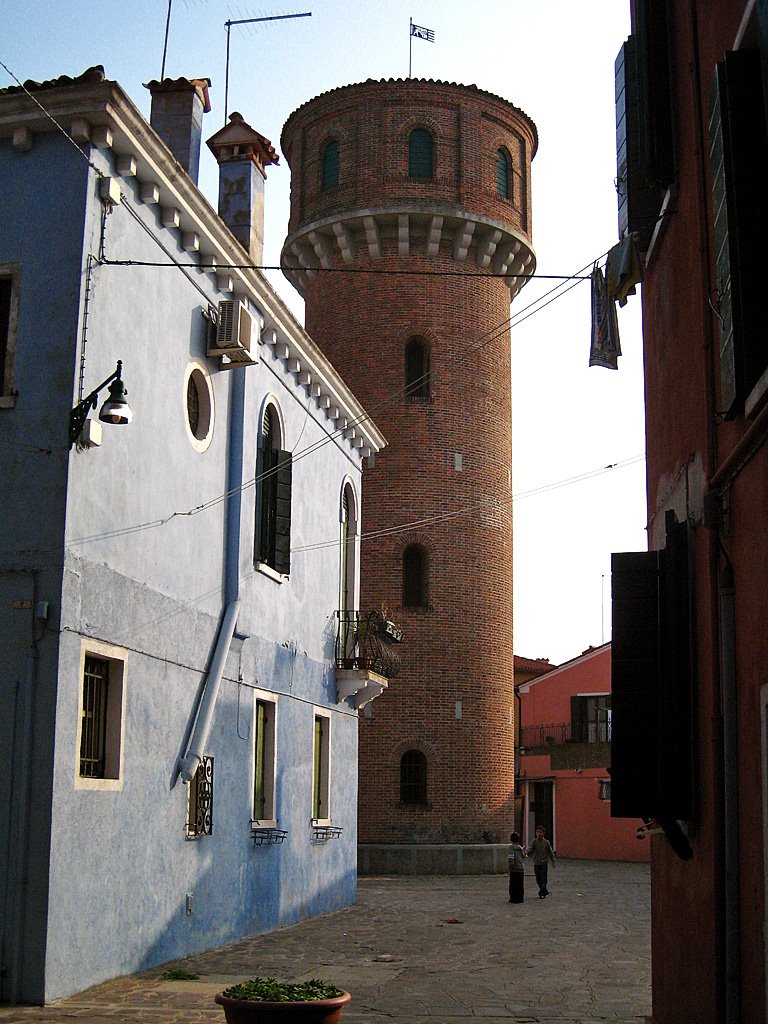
(249, 21)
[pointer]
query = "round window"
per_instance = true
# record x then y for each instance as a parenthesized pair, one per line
(199, 407)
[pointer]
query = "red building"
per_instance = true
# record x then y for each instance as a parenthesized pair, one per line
(410, 232)
(690, 643)
(565, 753)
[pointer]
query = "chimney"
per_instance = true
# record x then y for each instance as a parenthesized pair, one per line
(177, 112)
(242, 155)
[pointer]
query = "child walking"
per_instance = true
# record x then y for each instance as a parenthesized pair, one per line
(543, 856)
(515, 859)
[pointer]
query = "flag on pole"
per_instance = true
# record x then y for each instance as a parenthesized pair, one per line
(422, 33)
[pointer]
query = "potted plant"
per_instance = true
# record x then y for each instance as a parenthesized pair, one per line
(267, 1001)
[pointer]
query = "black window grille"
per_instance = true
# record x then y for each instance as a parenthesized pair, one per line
(200, 816)
(330, 174)
(415, 572)
(417, 384)
(420, 154)
(503, 174)
(93, 733)
(413, 777)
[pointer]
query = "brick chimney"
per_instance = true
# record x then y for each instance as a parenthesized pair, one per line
(242, 155)
(177, 112)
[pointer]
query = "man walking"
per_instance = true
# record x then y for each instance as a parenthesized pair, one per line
(543, 855)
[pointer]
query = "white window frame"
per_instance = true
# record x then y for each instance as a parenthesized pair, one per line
(200, 444)
(325, 767)
(117, 658)
(270, 818)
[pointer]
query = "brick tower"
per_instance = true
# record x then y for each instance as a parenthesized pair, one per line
(414, 199)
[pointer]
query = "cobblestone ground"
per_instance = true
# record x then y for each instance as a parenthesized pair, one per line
(426, 950)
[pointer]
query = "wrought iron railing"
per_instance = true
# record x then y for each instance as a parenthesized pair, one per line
(364, 640)
(555, 735)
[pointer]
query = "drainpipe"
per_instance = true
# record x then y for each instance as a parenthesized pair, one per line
(188, 765)
(731, 795)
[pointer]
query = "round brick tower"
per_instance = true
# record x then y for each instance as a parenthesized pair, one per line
(410, 232)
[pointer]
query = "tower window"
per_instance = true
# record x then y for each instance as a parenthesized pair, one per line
(330, 173)
(417, 368)
(504, 174)
(413, 777)
(420, 154)
(415, 590)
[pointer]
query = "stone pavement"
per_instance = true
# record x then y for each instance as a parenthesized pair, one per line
(426, 950)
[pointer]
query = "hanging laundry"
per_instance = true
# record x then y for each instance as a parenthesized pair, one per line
(623, 269)
(606, 347)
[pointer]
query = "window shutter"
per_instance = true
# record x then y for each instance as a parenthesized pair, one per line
(639, 202)
(267, 486)
(330, 178)
(578, 720)
(738, 152)
(258, 768)
(317, 809)
(5, 324)
(283, 483)
(420, 154)
(635, 683)
(502, 174)
(654, 86)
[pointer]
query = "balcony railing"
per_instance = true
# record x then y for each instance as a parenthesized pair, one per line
(556, 735)
(364, 641)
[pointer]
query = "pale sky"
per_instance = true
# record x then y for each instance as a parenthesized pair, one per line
(552, 58)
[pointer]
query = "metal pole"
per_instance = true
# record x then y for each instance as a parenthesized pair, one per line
(165, 45)
(410, 47)
(251, 21)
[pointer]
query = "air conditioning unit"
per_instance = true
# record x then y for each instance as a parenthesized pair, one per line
(231, 337)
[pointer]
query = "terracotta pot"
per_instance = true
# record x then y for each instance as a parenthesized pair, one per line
(310, 1011)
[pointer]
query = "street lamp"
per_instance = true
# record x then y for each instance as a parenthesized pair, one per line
(114, 410)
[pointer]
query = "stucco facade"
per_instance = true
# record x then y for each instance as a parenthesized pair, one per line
(565, 757)
(141, 553)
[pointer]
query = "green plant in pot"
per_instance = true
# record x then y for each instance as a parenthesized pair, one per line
(267, 1001)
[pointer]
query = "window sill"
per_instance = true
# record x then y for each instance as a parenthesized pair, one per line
(99, 785)
(273, 574)
(7, 401)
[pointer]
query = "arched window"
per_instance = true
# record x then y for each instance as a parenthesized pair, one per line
(417, 368)
(504, 174)
(415, 590)
(330, 175)
(347, 573)
(413, 777)
(420, 157)
(274, 478)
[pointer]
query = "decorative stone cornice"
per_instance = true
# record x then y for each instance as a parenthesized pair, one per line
(481, 244)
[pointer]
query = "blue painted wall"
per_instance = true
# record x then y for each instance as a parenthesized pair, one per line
(112, 538)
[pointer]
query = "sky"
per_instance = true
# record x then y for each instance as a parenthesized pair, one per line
(552, 58)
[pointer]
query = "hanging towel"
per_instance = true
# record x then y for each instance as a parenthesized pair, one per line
(623, 269)
(606, 348)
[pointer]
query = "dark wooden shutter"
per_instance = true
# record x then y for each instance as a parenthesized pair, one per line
(739, 153)
(6, 286)
(656, 146)
(635, 582)
(283, 479)
(267, 512)
(652, 727)
(578, 720)
(639, 201)
(502, 174)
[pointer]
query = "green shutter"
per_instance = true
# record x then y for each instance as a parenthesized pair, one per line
(283, 485)
(502, 174)
(330, 176)
(318, 764)
(258, 768)
(420, 156)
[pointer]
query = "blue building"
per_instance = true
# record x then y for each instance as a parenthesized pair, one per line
(178, 755)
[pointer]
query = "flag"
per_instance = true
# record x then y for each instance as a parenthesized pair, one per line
(606, 347)
(422, 33)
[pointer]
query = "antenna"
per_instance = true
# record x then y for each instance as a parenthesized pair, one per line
(165, 44)
(244, 21)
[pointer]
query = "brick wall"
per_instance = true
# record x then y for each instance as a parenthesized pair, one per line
(460, 647)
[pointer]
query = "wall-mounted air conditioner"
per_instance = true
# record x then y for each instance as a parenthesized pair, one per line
(230, 338)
